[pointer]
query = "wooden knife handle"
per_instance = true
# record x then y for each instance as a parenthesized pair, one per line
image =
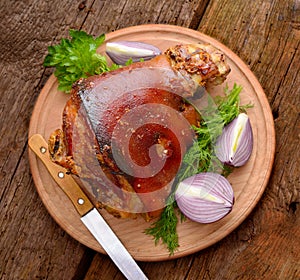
(81, 202)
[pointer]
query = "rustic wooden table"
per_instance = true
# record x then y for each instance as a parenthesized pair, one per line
(264, 33)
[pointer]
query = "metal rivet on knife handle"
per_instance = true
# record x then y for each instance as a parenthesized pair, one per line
(80, 201)
(61, 174)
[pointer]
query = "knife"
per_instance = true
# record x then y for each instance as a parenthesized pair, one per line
(90, 216)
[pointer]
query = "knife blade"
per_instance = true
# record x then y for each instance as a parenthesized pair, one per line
(89, 215)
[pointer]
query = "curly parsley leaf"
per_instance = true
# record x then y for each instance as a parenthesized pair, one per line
(76, 58)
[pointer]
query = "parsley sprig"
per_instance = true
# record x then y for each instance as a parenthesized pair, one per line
(219, 112)
(76, 58)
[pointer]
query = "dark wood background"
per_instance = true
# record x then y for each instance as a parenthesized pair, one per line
(264, 33)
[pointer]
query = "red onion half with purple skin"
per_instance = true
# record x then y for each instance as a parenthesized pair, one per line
(205, 197)
(120, 52)
(235, 144)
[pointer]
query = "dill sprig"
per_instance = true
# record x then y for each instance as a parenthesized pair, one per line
(200, 157)
(164, 228)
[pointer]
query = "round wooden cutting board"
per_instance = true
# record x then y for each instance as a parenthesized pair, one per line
(248, 182)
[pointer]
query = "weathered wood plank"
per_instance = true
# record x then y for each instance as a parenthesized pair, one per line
(265, 34)
(107, 16)
(32, 245)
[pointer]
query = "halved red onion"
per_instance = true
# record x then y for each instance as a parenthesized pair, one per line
(120, 52)
(235, 144)
(205, 197)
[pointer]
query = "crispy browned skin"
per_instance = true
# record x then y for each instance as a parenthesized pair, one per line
(96, 125)
(203, 62)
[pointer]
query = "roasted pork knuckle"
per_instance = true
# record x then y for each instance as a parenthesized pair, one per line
(124, 133)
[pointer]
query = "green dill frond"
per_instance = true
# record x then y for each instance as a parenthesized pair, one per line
(199, 158)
